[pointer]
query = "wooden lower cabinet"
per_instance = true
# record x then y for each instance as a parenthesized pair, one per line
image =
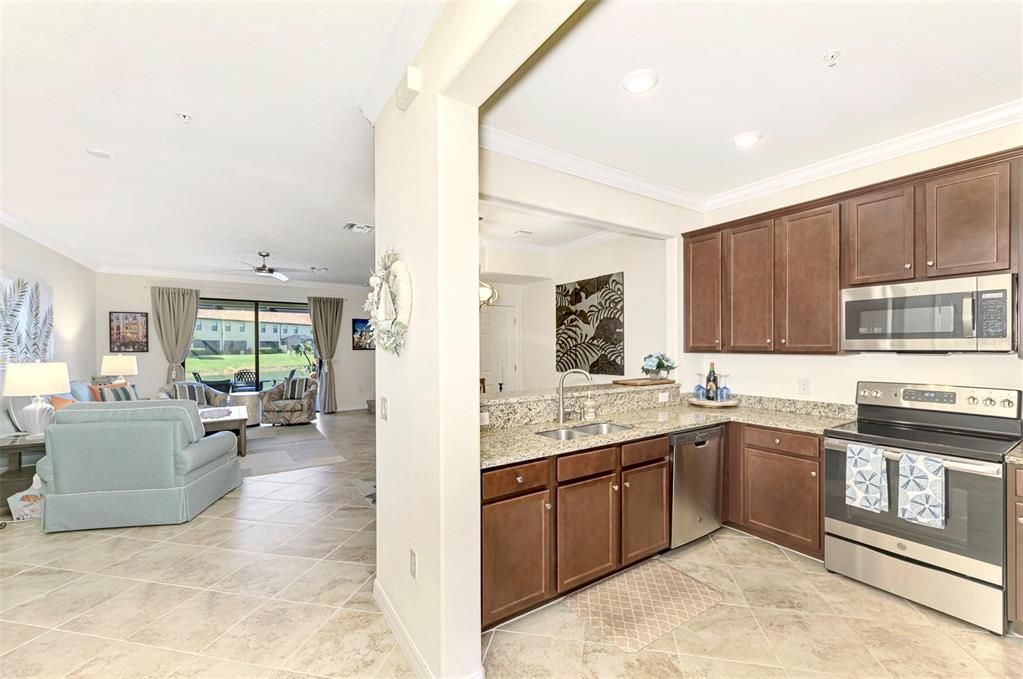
(781, 498)
(588, 530)
(517, 554)
(1017, 528)
(646, 511)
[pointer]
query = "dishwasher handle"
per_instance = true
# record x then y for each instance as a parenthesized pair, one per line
(699, 436)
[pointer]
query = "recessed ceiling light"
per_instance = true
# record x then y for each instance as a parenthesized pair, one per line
(522, 233)
(98, 153)
(357, 228)
(831, 58)
(638, 82)
(747, 139)
(184, 118)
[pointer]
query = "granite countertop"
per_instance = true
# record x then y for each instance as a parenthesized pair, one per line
(520, 444)
(1015, 455)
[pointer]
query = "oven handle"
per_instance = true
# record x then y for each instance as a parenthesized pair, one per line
(895, 454)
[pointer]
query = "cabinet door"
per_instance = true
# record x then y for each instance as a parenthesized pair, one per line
(749, 287)
(878, 239)
(645, 511)
(782, 498)
(703, 292)
(588, 525)
(1017, 526)
(968, 221)
(806, 281)
(517, 549)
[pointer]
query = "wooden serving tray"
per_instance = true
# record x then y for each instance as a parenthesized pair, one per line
(713, 404)
(643, 381)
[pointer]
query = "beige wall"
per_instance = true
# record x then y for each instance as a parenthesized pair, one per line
(74, 297)
(116, 292)
(833, 378)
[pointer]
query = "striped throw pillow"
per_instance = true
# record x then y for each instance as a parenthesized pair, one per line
(188, 391)
(114, 394)
(295, 388)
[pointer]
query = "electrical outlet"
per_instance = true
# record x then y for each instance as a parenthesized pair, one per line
(804, 386)
(412, 563)
(484, 418)
(383, 408)
(663, 397)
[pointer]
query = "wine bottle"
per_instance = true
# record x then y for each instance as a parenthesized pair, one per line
(712, 383)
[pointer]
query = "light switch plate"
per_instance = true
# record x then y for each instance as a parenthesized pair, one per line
(804, 386)
(383, 408)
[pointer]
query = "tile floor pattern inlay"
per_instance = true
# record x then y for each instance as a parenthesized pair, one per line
(636, 608)
(782, 615)
(274, 581)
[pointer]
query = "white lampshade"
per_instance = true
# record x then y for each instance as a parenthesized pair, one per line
(117, 366)
(36, 379)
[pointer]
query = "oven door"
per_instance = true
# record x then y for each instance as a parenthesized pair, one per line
(924, 316)
(973, 540)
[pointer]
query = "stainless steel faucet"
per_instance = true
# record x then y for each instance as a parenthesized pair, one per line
(561, 392)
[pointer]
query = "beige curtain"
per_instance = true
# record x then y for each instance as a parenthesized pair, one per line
(326, 315)
(174, 312)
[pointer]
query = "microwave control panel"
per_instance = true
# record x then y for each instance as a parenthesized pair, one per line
(992, 315)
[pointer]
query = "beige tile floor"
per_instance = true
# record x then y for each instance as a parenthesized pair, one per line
(783, 615)
(273, 581)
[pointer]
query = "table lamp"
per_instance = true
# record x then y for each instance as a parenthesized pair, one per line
(119, 366)
(37, 380)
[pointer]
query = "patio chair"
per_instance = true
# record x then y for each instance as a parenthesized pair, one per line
(245, 380)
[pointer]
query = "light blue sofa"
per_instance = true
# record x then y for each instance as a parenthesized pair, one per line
(133, 463)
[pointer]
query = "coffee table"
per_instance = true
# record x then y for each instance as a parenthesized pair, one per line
(235, 420)
(14, 446)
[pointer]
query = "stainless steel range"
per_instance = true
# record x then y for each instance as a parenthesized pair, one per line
(958, 568)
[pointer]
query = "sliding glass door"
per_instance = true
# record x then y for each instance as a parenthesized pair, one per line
(241, 345)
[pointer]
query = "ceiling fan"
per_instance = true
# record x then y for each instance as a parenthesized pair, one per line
(266, 270)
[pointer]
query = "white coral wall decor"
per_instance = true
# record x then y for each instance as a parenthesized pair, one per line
(26, 322)
(389, 302)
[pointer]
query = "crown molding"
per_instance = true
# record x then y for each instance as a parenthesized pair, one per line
(37, 236)
(587, 241)
(936, 135)
(530, 151)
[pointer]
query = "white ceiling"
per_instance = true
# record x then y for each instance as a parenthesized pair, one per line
(548, 230)
(726, 68)
(277, 155)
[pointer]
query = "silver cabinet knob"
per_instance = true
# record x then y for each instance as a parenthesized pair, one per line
(1020, 520)
(615, 487)
(519, 479)
(814, 474)
(768, 340)
(908, 266)
(930, 262)
(783, 340)
(547, 506)
(626, 484)
(777, 441)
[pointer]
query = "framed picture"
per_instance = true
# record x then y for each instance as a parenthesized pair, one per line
(362, 336)
(129, 332)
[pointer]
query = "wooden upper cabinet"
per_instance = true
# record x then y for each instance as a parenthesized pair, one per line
(967, 226)
(878, 237)
(517, 552)
(588, 530)
(749, 287)
(646, 511)
(703, 292)
(806, 281)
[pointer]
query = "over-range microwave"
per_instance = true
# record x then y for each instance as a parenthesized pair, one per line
(977, 313)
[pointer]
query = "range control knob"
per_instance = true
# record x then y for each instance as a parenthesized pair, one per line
(864, 392)
(876, 393)
(1007, 403)
(972, 400)
(989, 402)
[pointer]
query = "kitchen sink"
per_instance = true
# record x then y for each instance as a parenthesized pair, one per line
(582, 431)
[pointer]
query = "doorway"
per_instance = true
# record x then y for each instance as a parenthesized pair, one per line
(500, 344)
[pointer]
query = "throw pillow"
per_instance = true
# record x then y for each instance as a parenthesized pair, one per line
(59, 402)
(116, 393)
(295, 388)
(188, 391)
(96, 389)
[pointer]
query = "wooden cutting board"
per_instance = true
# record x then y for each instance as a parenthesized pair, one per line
(643, 382)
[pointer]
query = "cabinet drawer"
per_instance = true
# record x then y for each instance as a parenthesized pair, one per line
(1019, 482)
(516, 479)
(782, 441)
(644, 451)
(586, 464)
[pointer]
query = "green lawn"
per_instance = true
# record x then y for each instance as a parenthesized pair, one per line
(271, 366)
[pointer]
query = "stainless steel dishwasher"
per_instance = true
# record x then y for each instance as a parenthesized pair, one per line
(697, 460)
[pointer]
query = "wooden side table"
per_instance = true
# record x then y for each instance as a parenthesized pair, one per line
(16, 446)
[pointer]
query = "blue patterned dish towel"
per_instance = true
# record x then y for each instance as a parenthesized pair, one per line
(866, 478)
(922, 490)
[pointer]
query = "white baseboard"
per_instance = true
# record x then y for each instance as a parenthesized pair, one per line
(404, 639)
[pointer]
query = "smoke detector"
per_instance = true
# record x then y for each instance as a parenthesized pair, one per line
(357, 228)
(831, 58)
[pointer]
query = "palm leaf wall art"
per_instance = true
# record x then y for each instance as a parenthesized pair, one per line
(26, 328)
(590, 325)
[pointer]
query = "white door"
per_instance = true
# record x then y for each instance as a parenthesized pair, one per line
(499, 347)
